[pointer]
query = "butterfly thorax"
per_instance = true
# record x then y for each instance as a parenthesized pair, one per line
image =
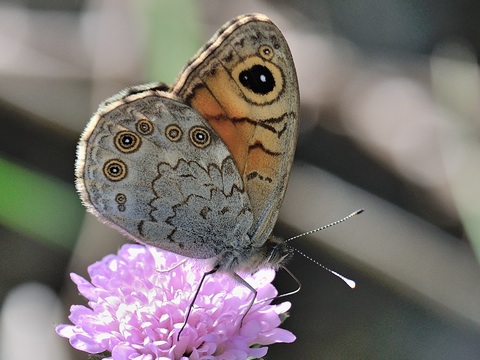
(273, 253)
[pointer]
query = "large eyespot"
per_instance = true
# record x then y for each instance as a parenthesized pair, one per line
(173, 132)
(115, 170)
(260, 81)
(144, 127)
(127, 141)
(265, 52)
(199, 136)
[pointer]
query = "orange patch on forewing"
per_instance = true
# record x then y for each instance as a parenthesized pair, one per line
(234, 135)
(227, 93)
(265, 164)
(205, 103)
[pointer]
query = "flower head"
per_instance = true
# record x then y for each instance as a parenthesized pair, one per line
(139, 298)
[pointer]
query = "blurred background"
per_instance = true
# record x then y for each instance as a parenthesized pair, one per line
(390, 123)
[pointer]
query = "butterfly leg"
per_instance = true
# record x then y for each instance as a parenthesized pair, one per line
(251, 288)
(213, 271)
(172, 268)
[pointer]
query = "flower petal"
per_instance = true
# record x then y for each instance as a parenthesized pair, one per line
(139, 298)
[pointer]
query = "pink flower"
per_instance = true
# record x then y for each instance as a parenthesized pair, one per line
(136, 310)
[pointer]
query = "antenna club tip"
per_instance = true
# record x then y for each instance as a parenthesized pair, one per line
(349, 282)
(359, 211)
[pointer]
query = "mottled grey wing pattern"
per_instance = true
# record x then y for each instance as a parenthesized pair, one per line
(153, 168)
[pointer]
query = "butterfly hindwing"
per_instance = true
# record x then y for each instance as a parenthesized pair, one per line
(153, 168)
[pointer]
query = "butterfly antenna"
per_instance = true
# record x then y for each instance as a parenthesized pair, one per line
(348, 281)
(326, 226)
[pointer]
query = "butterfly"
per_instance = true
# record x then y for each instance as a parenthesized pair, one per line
(200, 168)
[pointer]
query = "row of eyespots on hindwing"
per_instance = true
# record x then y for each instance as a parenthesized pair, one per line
(127, 142)
(199, 136)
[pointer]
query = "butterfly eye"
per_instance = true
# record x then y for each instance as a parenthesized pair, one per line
(145, 127)
(258, 78)
(200, 136)
(115, 170)
(127, 141)
(265, 52)
(173, 133)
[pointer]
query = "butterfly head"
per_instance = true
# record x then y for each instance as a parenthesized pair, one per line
(277, 253)
(274, 253)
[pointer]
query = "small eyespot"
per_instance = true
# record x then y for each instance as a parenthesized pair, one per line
(265, 52)
(121, 198)
(144, 127)
(115, 170)
(127, 141)
(200, 137)
(173, 133)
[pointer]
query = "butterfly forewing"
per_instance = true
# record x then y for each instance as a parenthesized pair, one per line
(244, 84)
